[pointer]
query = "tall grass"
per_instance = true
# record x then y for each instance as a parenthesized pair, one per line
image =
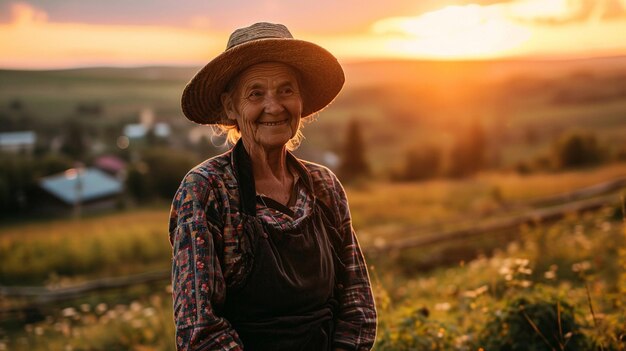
(541, 287)
(577, 262)
(93, 247)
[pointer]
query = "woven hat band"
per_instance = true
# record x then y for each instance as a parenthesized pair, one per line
(256, 31)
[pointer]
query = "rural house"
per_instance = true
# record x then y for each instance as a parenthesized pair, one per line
(88, 189)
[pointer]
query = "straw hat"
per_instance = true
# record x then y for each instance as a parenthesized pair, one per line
(321, 75)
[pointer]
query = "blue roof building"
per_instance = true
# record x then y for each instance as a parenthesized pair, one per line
(82, 186)
(17, 141)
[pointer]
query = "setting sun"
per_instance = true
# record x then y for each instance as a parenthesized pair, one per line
(470, 31)
(35, 34)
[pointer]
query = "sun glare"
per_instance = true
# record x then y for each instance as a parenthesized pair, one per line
(470, 31)
(514, 28)
(534, 9)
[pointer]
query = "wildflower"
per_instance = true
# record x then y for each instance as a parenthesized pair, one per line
(441, 333)
(85, 308)
(581, 267)
(135, 306)
(476, 292)
(149, 312)
(521, 262)
(69, 312)
(442, 306)
(155, 300)
(111, 314)
(504, 270)
(550, 275)
(38, 331)
(3, 346)
(101, 307)
(127, 316)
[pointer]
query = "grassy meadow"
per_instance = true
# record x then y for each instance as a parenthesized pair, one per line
(577, 261)
(557, 285)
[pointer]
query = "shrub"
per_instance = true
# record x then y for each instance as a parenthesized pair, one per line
(353, 162)
(576, 149)
(533, 323)
(468, 154)
(420, 163)
(417, 332)
(159, 174)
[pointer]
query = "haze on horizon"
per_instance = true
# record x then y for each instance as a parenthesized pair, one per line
(39, 34)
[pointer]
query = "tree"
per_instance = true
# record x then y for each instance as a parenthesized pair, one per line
(159, 174)
(16, 105)
(420, 163)
(74, 140)
(468, 153)
(576, 149)
(353, 163)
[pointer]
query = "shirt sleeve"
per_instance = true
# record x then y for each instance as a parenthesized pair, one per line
(356, 323)
(198, 284)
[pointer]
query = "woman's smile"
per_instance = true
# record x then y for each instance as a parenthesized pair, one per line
(273, 123)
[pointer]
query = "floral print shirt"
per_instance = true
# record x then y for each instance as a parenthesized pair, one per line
(211, 253)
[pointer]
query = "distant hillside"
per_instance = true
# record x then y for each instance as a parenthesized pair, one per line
(406, 71)
(370, 72)
(522, 104)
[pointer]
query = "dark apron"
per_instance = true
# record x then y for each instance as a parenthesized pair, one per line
(287, 301)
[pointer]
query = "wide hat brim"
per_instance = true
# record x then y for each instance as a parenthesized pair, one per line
(321, 76)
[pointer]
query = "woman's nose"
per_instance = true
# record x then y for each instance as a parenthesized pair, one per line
(273, 105)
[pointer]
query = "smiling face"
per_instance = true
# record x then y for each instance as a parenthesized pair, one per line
(267, 105)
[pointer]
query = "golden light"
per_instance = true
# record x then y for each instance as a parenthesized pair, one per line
(541, 9)
(515, 28)
(33, 41)
(470, 31)
(24, 14)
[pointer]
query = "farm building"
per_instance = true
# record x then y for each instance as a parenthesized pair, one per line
(18, 142)
(88, 189)
(112, 165)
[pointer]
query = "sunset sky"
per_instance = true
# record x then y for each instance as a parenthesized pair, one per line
(67, 33)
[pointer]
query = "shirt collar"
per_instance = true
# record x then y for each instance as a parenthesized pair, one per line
(242, 164)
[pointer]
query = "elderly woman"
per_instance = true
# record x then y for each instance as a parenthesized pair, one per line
(264, 254)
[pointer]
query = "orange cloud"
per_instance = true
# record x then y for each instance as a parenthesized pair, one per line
(31, 41)
(499, 29)
(24, 14)
(562, 12)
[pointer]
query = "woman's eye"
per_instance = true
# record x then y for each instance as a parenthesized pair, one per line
(255, 95)
(286, 91)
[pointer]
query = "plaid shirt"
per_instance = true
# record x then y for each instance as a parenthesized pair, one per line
(210, 253)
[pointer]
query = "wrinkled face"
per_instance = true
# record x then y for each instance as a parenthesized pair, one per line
(266, 103)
